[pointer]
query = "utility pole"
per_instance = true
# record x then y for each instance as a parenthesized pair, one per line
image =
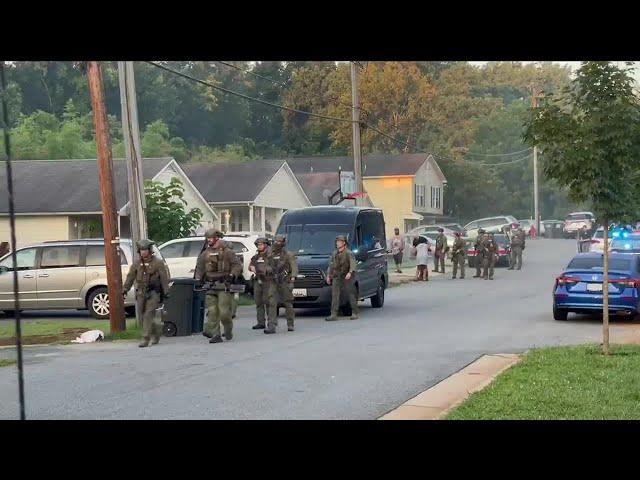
(355, 117)
(107, 198)
(131, 135)
(536, 211)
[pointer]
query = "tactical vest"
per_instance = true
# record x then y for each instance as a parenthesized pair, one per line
(341, 263)
(215, 263)
(148, 275)
(281, 265)
(261, 262)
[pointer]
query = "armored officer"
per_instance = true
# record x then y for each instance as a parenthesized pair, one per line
(458, 255)
(479, 256)
(490, 248)
(216, 268)
(517, 241)
(152, 288)
(286, 271)
(264, 288)
(441, 250)
(342, 269)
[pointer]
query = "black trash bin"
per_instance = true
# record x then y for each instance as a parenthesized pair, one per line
(198, 311)
(178, 308)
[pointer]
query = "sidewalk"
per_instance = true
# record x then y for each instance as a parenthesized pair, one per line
(408, 275)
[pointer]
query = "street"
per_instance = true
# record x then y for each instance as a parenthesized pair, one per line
(340, 370)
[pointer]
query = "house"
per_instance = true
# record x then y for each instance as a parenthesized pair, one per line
(60, 199)
(408, 187)
(249, 196)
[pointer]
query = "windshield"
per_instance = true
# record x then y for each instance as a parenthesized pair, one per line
(599, 234)
(578, 216)
(314, 239)
(492, 222)
(591, 263)
(625, 244)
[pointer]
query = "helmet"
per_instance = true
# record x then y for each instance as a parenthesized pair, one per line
(481, 230)
(261, 240)
(342, 237)
(213, 233)
(280, 239)
(440, 229)
(144, 244)
(457, 234)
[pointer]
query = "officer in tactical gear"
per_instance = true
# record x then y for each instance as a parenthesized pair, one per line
(264, 288)
(441, 250)
(342, 269)
(458, 255)
(490, 248)
(216, 268)
(152, 288)
(517, 241)
(479, 256)
(286, 271)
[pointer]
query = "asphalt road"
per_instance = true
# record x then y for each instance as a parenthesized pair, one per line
(340, 370)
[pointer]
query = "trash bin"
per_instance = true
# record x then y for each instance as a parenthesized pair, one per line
(178, 308)
(198, 311)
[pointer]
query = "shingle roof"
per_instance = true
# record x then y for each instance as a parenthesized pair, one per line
(231, 182)
(315, 184)
(379, 165)
(50, 186)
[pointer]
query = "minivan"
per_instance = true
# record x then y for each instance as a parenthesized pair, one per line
(68, 274)
(310, 236)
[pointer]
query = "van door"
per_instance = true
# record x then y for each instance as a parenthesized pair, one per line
(371, 251)
(27, 280)
(61, 277)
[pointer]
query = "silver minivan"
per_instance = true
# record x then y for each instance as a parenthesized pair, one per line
(64, 275)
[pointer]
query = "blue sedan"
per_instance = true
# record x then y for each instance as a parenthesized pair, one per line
(579, 288)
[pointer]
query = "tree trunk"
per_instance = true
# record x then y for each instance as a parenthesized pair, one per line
(605, 291)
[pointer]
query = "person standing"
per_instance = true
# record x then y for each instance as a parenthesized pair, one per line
(458, 255)
(479, 256)
(216, 267)
(490, 248)
(152, 288)
(421, 250)
(342, 269)
(441, 250)
(397, 248)
(286, 271)
(581, 236)
(532, 231)
(264, 287)
(517, 240)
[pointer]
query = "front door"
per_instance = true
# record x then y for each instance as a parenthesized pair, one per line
(27, 280)
(61, 277)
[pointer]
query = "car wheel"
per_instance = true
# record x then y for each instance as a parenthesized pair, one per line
(377, 301)
(559, 314)
(169, 329)
(98, 303)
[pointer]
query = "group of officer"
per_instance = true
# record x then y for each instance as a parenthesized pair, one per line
(486, 249)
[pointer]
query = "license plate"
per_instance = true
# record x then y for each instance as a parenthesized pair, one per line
(594, 287)
(299, 292)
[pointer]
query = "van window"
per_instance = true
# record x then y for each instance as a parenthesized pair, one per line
(60, 257)
(26, 260)
(371, 231)
(95, 256)
(313, 239)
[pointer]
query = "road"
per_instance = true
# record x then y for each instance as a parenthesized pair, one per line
(340, 370)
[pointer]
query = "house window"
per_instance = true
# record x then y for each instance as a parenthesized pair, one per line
(419, 195)
(435, 197)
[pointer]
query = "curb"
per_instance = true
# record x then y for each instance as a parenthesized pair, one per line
(435, 402)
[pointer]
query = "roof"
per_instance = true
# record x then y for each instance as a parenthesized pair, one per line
(69, 186)
(377, 165)
(315, 185)
(232, 182)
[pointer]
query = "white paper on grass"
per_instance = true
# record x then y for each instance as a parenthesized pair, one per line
(89, 337)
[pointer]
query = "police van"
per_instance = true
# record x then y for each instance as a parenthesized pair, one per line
(311, 234)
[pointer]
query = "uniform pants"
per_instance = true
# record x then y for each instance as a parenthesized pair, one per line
(438, 259)
(487, 264)
(285, 298)
(219, 305)
(234, 305)
(264, 294)
(338, 285)
(479, 262)
(147, 308)
(516, 257)
(458, 260)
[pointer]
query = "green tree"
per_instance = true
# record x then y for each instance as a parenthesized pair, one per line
(167, 217)
(590, 136)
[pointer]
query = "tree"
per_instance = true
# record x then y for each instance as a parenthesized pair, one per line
(590, 135)
(166, 215)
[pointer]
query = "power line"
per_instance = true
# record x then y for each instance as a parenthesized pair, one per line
(526, 157)
(275, 82)
(500, 154)
(247, 97)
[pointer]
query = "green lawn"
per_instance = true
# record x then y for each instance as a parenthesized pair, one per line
(6, 363)
(562, 383)
(56, 328)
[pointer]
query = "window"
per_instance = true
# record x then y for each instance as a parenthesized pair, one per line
(95, 256)
(236, 247)
(173, 250)
(314, 239)
(26, 260)
(372, 235)
(419, 195)
(60, 257)
(595, 263)
(492, 222)
(194, 248)
(435, 197)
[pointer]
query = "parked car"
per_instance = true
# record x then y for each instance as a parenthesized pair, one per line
(526, 225)
(431, 238)
(579, 288)
(504, 251)
(489, 224)
(311, 234)
(597, 241)
(629, 243)
(63, 275)
(575, 221)
(182, 254)
(552, 228)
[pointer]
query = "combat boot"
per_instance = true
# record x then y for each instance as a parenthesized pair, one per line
(453, 278)
(258, 326)
(332, 318)
(270, 329)
(207, 334)
(216, 339)
(490, 278)
(290, 328)
(511, 268)
(355, 316)
(144, 343)
(155, 340)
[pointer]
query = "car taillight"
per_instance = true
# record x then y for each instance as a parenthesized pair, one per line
(471, 252)
(566, 281)
(595, 241)
(626, 282)
(502, 251)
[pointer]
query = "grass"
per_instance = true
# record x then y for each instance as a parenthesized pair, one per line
(562, 383)
(6, 363)
(245, 300)
(57, 327)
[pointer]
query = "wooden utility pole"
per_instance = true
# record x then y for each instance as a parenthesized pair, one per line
(107, 198)
(536, 211)
(355, 117)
